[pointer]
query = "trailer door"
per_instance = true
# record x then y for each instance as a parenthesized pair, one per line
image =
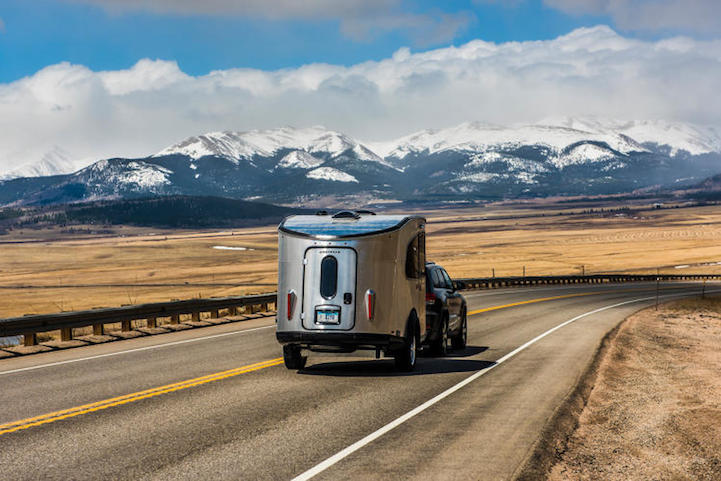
(329, 288)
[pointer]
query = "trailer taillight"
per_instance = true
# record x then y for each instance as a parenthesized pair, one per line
(370, 304)
(291, 303)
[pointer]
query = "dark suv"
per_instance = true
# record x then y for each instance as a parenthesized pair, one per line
(445, 311)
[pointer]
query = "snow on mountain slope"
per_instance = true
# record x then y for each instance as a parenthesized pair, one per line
(480, 137)
(137, 175)
(329, 173)
(678, 136)
(299, 159)
(582, 154)
(54, 162)
(265, 143)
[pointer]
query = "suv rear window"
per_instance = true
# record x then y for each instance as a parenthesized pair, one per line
(437, 279)
(446, 279)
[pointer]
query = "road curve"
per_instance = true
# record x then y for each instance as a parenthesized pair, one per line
(214, 403)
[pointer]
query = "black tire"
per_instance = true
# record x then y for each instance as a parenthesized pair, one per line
(293, 358)
(460, 340)
(405, 358)
(440, 345)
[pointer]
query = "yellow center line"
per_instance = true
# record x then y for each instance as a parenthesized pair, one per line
(531, 301)
(136, 396)
(565, 296)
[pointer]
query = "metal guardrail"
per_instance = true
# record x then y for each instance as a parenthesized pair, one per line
(496, 282)
(30, 325)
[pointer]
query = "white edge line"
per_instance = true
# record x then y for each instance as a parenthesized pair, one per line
(317, 469)
(146, 348)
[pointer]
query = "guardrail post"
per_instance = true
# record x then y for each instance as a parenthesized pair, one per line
(30, 339)
(126, 326)
(98, 329)
(66, 334)
(264, 307)
(195, 316)
(215, 314)
(175, 319)
(152, 322)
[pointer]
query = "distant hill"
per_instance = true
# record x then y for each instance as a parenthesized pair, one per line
(171, 211)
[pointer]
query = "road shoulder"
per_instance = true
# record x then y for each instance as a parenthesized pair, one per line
(648, 407)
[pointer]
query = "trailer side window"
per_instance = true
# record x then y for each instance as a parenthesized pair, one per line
(328, 277)
(416, 256)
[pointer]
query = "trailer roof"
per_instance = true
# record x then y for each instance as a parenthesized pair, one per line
(325, 226)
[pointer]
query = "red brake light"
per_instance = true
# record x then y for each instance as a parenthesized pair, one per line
(291, 300)
(430, 297)
(370, 304)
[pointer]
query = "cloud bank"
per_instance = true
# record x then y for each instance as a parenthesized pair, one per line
(139, 111)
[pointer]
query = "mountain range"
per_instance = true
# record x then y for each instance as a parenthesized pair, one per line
(469, 161)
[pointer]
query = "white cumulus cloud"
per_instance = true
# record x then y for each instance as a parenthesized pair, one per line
(139, 111)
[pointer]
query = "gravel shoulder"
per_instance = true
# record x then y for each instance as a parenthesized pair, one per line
(654, 410)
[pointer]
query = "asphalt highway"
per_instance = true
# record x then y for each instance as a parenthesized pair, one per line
(217, 403)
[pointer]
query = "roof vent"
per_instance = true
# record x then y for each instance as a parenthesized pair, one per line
(322, 212)
(365, 212)
(346, 214)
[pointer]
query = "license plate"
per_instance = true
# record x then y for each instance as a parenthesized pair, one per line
(327, 317)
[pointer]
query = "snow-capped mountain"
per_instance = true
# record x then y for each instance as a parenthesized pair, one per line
(675, 137)
(236, 146)
(481, 138)
(471, 160)
(555, 157)
(54, 162)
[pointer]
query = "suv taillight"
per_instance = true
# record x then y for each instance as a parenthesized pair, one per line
(430, 298)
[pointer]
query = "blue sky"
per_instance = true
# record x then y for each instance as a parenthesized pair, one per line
(46, 32)
(82, 80)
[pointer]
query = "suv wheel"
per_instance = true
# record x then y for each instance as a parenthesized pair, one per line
(460, 340)
(440, 345)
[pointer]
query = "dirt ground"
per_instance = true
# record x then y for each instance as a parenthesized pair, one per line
(45, 271)
(655, 410)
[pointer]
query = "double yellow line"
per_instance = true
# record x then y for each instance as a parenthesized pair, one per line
(568, 296)
(136, 396)
(532, 301)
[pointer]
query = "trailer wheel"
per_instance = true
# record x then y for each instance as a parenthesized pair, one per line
(292, 357)
(405, 358)
(459, 341)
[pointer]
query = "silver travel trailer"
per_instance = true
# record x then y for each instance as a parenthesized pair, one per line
(349, 281)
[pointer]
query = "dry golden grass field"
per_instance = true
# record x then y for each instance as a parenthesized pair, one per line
(45, 271)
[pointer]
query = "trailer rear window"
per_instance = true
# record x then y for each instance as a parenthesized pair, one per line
(326, 226)
(328, 277)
